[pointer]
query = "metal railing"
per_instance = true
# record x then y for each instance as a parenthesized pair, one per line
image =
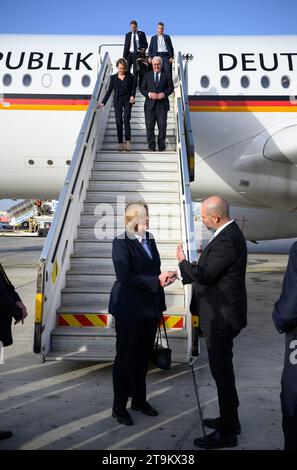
(187, 119)
(55, 257)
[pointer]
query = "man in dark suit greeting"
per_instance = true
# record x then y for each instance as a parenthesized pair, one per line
(135, 46)
(156, 87)
(219, 297)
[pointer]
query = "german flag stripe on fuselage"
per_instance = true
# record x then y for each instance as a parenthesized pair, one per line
(44, 102)
(197, 103)
(242, 103)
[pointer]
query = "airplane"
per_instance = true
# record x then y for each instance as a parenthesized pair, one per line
(243, 102)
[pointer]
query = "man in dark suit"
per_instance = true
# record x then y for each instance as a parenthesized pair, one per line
(285, 319)
(11, 307)
(161, 45)
(156, 87)
(219, 296)
(135, 46)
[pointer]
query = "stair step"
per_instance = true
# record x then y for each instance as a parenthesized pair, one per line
(134, 146)
(128, 196)
(140, 120)
(136, 131)
(136, 139)
(93, 208)
(130, 169)
(99, 233)
(72, 296)
(139, 157)
(123, 186)
(103, 248)
(116, 175)
(76, 279)
(156, 222)
(105, 266)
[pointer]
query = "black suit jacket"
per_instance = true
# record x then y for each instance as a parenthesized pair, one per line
(219, 292)
(8, 308)
(136, 293)
(285, 319)
(129, 83)
(153, 49)
(142, 42)
(165, 86)
(285, 310)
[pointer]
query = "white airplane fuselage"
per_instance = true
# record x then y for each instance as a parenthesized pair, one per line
(243, 102)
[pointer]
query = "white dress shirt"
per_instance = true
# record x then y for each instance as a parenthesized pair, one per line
(161, 43)
(132, 41)
(220, 229)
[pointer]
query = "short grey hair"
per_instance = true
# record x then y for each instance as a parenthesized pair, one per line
(157, 57)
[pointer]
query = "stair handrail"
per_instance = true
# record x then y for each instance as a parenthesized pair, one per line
(54, 260)
(187, 118)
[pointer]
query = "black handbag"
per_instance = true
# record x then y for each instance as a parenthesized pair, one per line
(161, 356)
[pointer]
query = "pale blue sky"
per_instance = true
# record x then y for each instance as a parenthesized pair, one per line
(180, 17)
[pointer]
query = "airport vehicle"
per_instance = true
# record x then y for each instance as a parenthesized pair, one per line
(32, 216)
(231, 131)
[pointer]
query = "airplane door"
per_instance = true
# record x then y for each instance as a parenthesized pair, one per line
(115, 51)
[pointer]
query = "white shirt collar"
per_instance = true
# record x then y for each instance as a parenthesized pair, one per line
(222, 228)
(139, 237)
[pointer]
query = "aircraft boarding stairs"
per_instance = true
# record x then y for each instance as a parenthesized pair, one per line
(76, 272)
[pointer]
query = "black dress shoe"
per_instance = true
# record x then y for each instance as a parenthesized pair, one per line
(162, 149)
(145, 407)
(5, 435)
(122, 416)
(216, 440)
(152, 149)
(214, 423)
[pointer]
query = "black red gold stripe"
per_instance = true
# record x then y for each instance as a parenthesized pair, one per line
(44, 102)
(239, 103)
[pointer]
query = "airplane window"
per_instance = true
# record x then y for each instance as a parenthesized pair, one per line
(265, 82)
(285, 81)
(225, 82)
(204, 81)
(27, 80)
(66, 80)
(245, 81)
(86, 81)
(31, 162)
(50, 162)
(7, 79)
(46, 80)
(68, 162)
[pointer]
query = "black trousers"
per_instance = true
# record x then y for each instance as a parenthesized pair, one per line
(219, 345)
(123, 106)
(290, 432)
(134, 344)
(132, 61)
(157, 114)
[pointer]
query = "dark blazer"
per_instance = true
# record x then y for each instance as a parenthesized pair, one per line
(136, 293)
(8, 308)
(165, 86)
(219, 292)
(129, 83)
(285, 310)
(153, 49)
(285, 319)
(142, 42)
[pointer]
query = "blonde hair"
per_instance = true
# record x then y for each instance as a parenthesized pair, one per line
(136, 213)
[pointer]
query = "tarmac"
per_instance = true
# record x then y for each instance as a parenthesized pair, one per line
(67, 405)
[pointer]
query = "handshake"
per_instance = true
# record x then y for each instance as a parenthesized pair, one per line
(168, 277)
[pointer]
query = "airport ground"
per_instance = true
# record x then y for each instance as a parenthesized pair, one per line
(67, 405)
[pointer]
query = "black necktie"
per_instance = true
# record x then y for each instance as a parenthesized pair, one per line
(134, 43)
(157, 80)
